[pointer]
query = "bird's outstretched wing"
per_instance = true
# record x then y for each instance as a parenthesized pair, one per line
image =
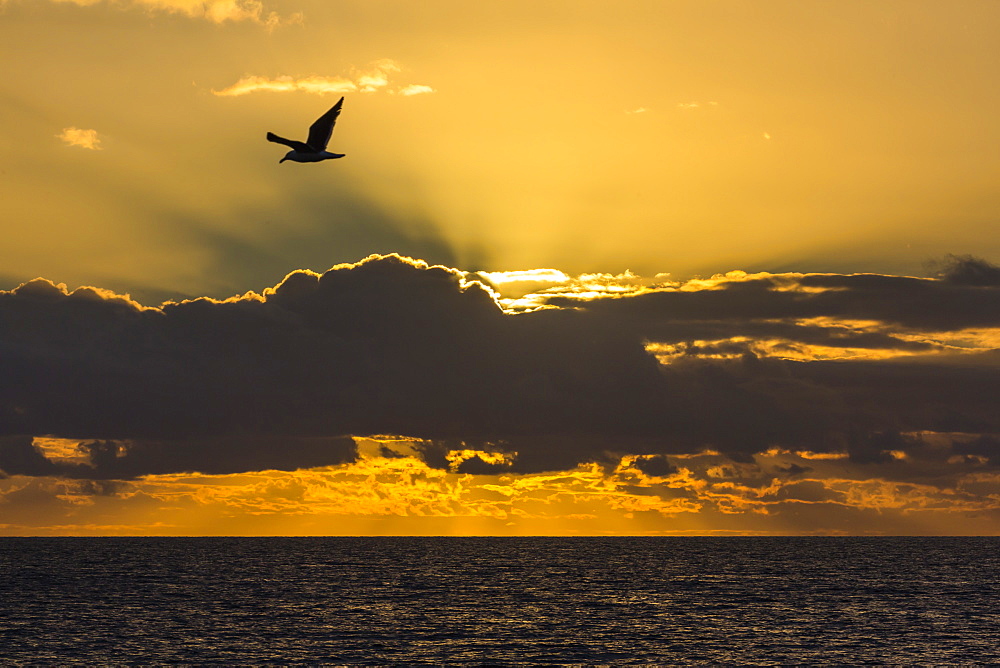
(291, 143)
(322, 129)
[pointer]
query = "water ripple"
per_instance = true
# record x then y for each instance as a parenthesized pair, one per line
(747, 601)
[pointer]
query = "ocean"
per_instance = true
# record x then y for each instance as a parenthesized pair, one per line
(506, 601)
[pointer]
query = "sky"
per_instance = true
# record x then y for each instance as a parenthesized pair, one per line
(587, 268)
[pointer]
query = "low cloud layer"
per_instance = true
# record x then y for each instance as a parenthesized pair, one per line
(738, 364)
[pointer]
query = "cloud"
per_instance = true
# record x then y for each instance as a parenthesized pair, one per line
(82, 138)
(374, 79)
(526, 290)
(18, 456)
(214, 455)
(284, 378)
(415, 89)
(969, 270)
(773, 492)
(216, 11)
(314, 84)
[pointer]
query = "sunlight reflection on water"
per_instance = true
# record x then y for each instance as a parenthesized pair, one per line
(502, 600)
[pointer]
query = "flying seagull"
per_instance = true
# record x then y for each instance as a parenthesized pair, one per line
(314, 148)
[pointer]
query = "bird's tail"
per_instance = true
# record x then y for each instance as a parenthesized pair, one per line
(279, 140)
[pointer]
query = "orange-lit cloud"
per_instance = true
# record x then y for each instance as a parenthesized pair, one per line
(415, 89)
(775, 492)
(216, 11)
(375, 79)
(530, 289)
(82, 138)
(778, 401)
(314, 84)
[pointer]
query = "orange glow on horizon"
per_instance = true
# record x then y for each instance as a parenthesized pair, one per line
(403, 496)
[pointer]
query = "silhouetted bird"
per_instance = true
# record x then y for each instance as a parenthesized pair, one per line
(314, 148)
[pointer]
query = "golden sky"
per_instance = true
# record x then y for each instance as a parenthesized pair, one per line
(681, 137)
(668, 233)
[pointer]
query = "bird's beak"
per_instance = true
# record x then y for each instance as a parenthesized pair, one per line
(282, 160)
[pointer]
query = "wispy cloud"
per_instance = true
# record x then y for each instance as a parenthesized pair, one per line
(81, 138)
(216, 11)
(286, 84)
(415, 89)
(696, 105)
(371, 80)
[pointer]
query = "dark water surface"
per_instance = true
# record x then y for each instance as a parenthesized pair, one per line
(501, 600)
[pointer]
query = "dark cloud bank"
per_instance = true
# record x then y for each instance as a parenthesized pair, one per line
(389, 346)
